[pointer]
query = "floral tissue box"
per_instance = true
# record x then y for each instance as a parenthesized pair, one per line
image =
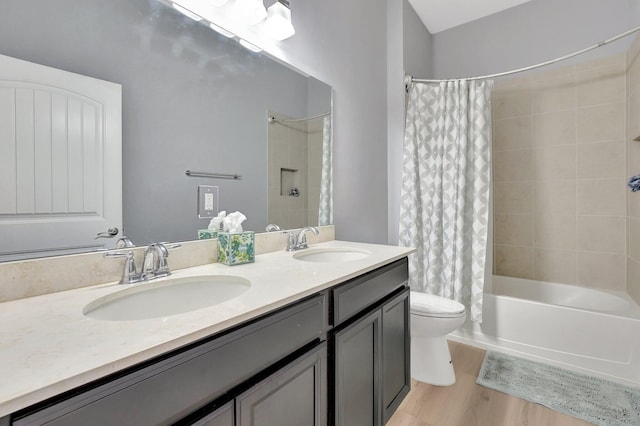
(207, 234)
(236, 248)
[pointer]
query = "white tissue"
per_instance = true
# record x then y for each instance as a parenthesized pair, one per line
(233, 222)
(216, 223)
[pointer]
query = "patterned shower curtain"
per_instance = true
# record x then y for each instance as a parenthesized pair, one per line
(444, 209)
(325, 211)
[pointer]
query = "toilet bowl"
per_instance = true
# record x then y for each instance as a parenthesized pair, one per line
(432, 318)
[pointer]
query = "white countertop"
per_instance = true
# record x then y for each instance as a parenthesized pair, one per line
(47, 345)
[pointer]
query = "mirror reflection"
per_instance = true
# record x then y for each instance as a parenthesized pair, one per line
(191, 100)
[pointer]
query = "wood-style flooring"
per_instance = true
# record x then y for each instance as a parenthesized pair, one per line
(467, 404)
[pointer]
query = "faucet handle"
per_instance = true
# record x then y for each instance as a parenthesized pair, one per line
(130, 272)
(171, 246)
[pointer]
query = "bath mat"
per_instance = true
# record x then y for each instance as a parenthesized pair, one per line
(589, 398)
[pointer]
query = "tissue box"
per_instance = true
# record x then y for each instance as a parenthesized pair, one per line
(207, 234)
(236, 248)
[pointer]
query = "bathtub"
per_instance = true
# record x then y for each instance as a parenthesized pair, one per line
(583, 329)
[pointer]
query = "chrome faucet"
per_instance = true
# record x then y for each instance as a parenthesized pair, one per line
(299, 242)
(154, 263)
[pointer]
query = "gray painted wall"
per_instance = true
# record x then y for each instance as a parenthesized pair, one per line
(418, 44)
(533, 32)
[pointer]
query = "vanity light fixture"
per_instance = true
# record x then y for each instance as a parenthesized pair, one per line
(186, 12)
(249, 12)
(251, 47)
(221, 30)
(278, 23)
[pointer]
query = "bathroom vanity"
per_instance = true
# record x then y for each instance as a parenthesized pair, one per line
(328, 345)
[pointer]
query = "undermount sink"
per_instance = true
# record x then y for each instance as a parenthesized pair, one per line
(331, 255)
(166, 297)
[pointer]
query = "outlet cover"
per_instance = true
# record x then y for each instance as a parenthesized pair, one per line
(207, 201)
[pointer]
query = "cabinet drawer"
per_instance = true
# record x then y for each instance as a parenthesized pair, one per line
(356, 295)
(170, 389)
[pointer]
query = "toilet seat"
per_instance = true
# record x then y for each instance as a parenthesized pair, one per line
(429, 305)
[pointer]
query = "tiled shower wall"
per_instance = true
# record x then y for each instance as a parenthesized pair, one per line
(295, 146)
(633, 164)
(560, 200)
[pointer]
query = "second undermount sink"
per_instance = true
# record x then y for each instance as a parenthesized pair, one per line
(166, 297)
(331, 255)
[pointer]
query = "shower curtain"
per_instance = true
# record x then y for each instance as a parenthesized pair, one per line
(444, 209)
(325, 211)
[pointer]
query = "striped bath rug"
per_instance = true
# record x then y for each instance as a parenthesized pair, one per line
(595, 400)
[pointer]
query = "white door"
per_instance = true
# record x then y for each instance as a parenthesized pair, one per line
(60, 160)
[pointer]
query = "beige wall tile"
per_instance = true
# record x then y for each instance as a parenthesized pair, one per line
(556, 128)
(602, 123)
(601, 160)
(511, 104)
(634, 239)
(514, 165)
(633, 204)
(633, 77)
(554, 232)
(554, 162)
(513, 197)
(513, 229)
(602, 270)
(513, 261)
(557, 266)
(634, 50)
(601, 197)
(633, 157)
(609, 64)
(551, 99)
(600, 86)
(633, 283)
(553, 90)
(602, 233)
(555, 198)
(506, 85)
(512, 133)
(633, 115)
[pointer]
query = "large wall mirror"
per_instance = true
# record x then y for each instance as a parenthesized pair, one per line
(191, 100)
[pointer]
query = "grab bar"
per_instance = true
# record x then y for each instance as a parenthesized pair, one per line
(213, 175)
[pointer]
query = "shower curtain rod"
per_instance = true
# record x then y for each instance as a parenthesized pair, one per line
(272, 119)
(409, 79)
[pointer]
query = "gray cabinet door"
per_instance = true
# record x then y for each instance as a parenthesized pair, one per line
(396, 374)
(294, 396)
(357, 373)
(223, 416)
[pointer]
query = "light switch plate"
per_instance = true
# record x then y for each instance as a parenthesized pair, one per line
(207, 201)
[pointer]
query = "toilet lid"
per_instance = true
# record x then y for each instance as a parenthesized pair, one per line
(431, 305)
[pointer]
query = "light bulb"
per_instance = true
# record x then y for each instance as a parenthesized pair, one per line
(278, 24)
(249, 12)
(221, 30)
(251, 47)
(218, 3)
(186, 12)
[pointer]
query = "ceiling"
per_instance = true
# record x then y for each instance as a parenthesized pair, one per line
(440, 15)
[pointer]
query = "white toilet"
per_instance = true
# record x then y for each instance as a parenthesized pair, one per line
(432, 318)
